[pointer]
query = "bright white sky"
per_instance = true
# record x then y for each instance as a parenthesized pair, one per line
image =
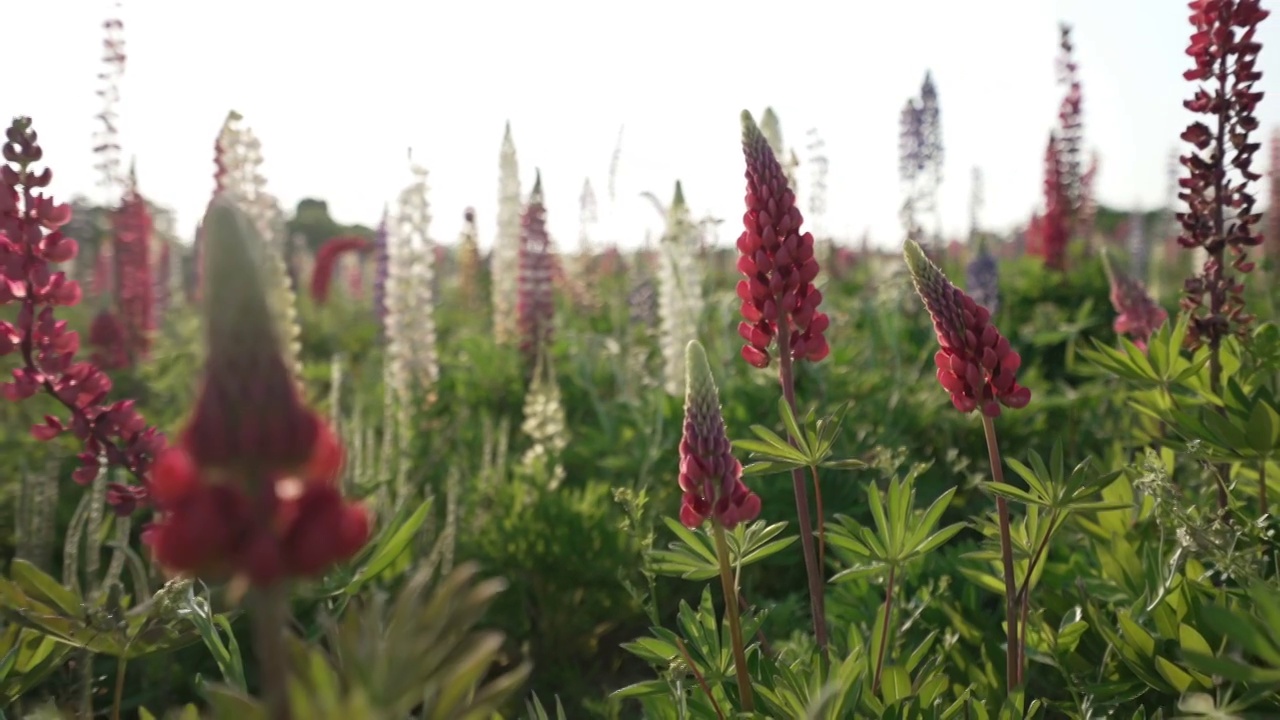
(337, 91)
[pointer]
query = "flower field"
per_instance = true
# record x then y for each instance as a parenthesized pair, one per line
(290, 469)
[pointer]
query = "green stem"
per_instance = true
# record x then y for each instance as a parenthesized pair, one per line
(735, 621)
(811, 566)
(821, 515)
(884, 633)
(1262, 488)
(121, 664)
(1013, 658)
(268, 616)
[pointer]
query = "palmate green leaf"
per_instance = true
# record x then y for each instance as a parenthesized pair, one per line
(768, 451)
(42, 588)
(29, 658)
(751, 543)
(768, 468)
(692, 556)
(793, 428)
(1010, 492)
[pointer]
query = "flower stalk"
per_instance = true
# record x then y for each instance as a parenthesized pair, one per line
(730, 587)
(780, 303)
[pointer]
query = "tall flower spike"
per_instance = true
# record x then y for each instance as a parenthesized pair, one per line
(710, 476)
(982, 277)
(252, 489)
(975, 365)
(505, 264)
(680, 301)
(535, 305)
(1220, 204)
(777, 261)
(1138, 315)
(31, 245)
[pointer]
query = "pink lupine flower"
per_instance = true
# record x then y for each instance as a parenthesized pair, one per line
(710, 476)
(778, 262)
(975, 365)
(1138, 315)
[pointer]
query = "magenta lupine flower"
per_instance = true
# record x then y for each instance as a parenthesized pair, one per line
(710, 476)
(1138, 315)
(975, 365)
(778, 263)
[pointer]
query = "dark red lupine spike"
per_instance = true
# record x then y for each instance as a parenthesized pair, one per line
(975, 364)
(777, 261)
(31, 242)
(710, 476)
(1220, 214)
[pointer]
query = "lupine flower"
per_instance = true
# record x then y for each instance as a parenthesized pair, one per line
(327, 261)
(251, 490)
(411, 237)
(505, 262)
(710, 476)
(30, 245)
(107, 338)
(778, 262)
(1049, 234)
(1225, 51)
(535, 306)
(380, 271)
(1139, 316)
(544, 423)
(469, 260)
(982, 277)
(975, 365)
(680, 300)
(1069, 137)
(1273, 202)
(135, 300)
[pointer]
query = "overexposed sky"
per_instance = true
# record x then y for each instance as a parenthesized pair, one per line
(337, 91)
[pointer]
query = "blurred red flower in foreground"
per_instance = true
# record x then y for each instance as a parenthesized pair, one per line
(251, 489)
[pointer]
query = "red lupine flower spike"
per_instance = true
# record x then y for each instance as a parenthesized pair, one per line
(710, 476)
(975, 365)
(252, 489)
(777, 262)
(31, 243)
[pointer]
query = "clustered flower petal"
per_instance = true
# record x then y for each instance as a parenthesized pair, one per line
(778, 294)
(975, 364)
(251, 489)
(1217, 189)
(710, 476)
(31, 243)
(536, 267)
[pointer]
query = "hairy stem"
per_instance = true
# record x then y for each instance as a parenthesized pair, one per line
(814, 571)
(268, 616)
(735, 621)
(884, 633)
(1013, 657)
